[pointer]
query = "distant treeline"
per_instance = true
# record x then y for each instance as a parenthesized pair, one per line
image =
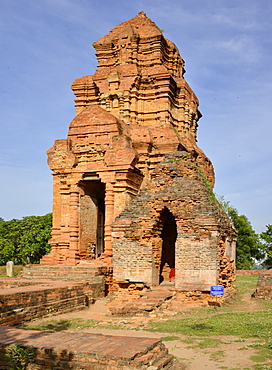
(252, 248)
(25, 241)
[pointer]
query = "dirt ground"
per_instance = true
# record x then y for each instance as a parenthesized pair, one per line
(232, 353)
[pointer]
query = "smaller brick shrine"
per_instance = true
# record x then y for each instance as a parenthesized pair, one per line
(264, 285)
(131, 187)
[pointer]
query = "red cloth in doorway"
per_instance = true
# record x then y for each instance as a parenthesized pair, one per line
(172, 273)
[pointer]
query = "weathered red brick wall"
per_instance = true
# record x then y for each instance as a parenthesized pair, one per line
(249, 272)
(29, 302)
(264, 285)
(176, 186)
(98, 277)
(86, 351)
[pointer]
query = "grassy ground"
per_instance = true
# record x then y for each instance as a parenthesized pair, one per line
(247, 321)
(241, 317)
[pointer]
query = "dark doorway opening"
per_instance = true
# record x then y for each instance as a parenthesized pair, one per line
(92, 217)
(169, 237)
(100, 225)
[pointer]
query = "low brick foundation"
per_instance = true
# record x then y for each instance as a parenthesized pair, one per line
(264, 286)
(23, 303)
(99, 276)
(88, 351)
(249, 272)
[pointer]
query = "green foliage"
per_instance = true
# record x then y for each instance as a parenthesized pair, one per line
(169, 338)
(20, 356)
(266, 236)
(25, 241)
(6, 251)
(248, 247)
(212, 197)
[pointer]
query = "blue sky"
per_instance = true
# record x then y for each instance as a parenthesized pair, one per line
(227, 47)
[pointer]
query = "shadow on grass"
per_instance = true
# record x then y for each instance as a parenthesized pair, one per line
(201, 326)
(52, 325)
(63, 324)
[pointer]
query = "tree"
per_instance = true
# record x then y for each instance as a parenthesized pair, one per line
(248, 247)
(266, 236)
(25, 241)
(7, 251)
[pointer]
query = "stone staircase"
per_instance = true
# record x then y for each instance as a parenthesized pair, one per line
(156, 358)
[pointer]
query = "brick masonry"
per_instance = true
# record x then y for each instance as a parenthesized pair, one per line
(27, 301)
(132, 189)
(99, 277)
(264, 286)
(89, 351)
(250, 272)
(199, 234)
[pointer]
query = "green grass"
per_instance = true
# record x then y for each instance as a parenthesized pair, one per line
(234, 319)
(246, 284)
(226, 320)
(217, 356)
(170, 338)
(263, 355)
(243, 324)
(199, 325)
(207, 343)
(195, 342)
(262, 367)
(63, 324)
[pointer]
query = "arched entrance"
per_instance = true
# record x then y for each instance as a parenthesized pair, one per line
(169, 237)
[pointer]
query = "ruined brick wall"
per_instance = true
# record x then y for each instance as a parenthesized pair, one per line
(176, 186)
(264, 286)
(249, 272)
(30, 302)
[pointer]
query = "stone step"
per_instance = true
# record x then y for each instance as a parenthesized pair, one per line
(164, 362)
(157, 357)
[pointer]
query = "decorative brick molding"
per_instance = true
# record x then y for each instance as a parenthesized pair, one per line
(132, 189)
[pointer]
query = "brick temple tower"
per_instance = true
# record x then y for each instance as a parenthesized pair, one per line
(132, 189)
